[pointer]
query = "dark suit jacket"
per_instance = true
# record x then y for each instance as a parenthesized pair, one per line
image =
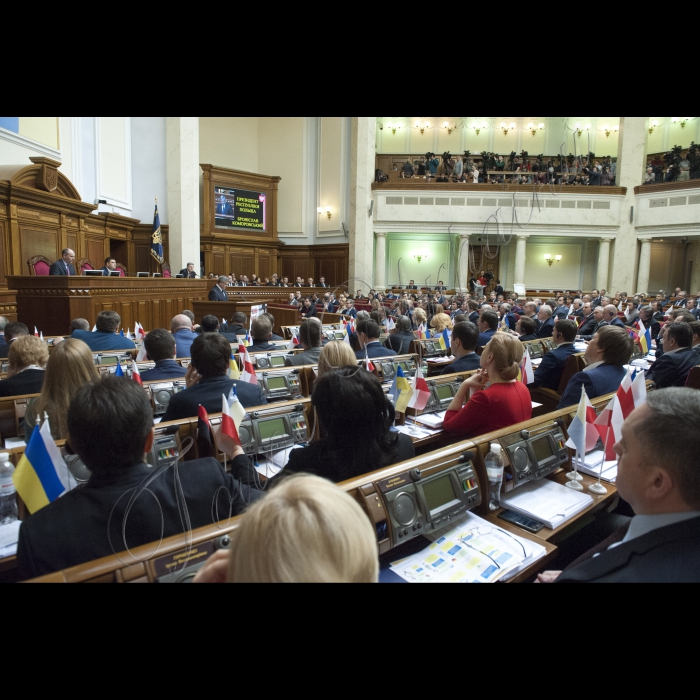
(603, 380)
(596, 328)
(485, 338)
(400, 342)
(99, 341)
(76, 529)
(511, 321)
(58, 269)
(208, 393)
(618, 323)
(231, 337)
(352, 313)
(4, 351)
(234, 329)
(468, 363)
(374, 350)
(29, 382)
(550, 371)
(188, 275)
(474, 317)
(673, 370)
(547, 329)
(164, 370)
(311, 312)
(561, 312)
(262, 347)
(668, 555)
(587, 326)
(217, 295)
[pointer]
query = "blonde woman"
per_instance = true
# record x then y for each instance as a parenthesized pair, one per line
(419, 318)
(501, 400)
(335, 356)
(307, 530)
(441, 322)
(70, 366)
(27, 357)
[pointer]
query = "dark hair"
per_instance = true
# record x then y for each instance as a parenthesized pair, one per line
(270, 318)
(239, 318)
(616, 345)
(211, 355)
(108, 422)
(460, 318)
(261, 330)
(15, 330)
(467, 334)
(160, 345)
(674, 412)
(684, 316)
(491, 318)
(369, 328)
(189, 315)
(351, 401)
(682, 333)
(569, 329)
(108, 260)
(109, 321)
(210, 324)
(403, 324)
(473, 306)
(79, 324)
(695, 327)
(527, 325)
(310, 333)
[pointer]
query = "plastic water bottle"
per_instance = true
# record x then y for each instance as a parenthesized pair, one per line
(8, 493)
(494, 469)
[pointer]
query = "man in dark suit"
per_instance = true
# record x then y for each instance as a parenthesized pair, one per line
(223, 207)
(412, 285)
(349, 309)
(12, 332)
(261, 330)
(64, 266)
(607, 354)
(526, 328)
(311, 337)
(188, 272)
(673, 368)
(587, 322)
(402, 337)
(488, 325)
(210, 324)
(105, 338)
(562, 311)
(646, 316)
(322, 283)
(661, 544)
(160, 348)
(207, 381)
(681, 301)
(308, 309)
(591, 327)
(368, 333)
(551, 369)
(86, 524)
(546, 319)
(218, 293)
(508, 317)
(28, 358)
(696, 337)
(610, 314)
(465, 338)
(692, 308)
(238, 325)
(110, 267)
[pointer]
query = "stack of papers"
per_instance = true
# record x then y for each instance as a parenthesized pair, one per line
(9, 537)
(272, 463)
(441, 360)
(471, 551)
(547, 502)
(415, 432)
(434, 421)
(592, 467)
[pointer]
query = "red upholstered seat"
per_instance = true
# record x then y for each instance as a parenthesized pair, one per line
(85, 266)
(121, 270)
(39, 266)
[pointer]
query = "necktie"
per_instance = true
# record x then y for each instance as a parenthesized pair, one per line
(68, 270)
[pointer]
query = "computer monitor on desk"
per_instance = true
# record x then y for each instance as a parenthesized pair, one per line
(115, 274)
(93, 273)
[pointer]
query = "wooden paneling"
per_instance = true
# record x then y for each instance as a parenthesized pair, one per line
(95, 252)
(331, 262)
(38, 241)
(3, 262)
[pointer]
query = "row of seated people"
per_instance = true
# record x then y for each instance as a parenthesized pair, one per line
(662, 489)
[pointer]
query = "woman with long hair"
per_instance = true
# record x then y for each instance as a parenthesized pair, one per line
(334, 356)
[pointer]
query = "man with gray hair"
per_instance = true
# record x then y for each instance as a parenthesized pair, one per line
(311, 337)
(181, 328)
(65, 266)
(610, 315)
(105, 338)
(545, 317)
(661, 544)
(219, 291)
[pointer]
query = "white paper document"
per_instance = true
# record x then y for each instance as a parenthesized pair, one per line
(12, 443)
(434, 421)
(547, 502)
(271, 464)
(592, 464)
(9, 534)
(416, 432)
(470, 551)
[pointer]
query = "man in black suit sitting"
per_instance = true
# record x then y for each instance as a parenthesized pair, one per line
(65, 266)
(238, 325)
(261, 330)
(109, 268)
(210, 324)
(207, 381)
(592, 325)
(673, 368)
(189, 272)
(696, 338)
(661, 544)
(219, 291)
(465, 338)
(401, 339)
(87, 523)
(545, 315)
(411, 285)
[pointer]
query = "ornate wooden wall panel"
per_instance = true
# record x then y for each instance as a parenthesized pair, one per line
(331, 262)
(38, 241)
(3, 262)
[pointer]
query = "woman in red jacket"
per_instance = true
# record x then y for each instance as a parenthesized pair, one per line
(506, 401)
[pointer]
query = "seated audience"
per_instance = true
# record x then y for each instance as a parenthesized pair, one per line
(610, 314)
(335, 356)
(182, 330)
(465, 339)
(308, 309)
(695, 326)
(589, 329)
(677, 316)
(305, 531)
(70, 366)
(607, 354)
(79, 324)
(207, 381)
(551, 370)
(311, 338)
(402, 337)
(368, 333)
(105, 338)
(488, 325)
(546, 318)
(25, 376)
(506, 401)
(90, 522)
(12, 332)
(261, 331)
(673, 367)
(160, 348)
(271, 319)
(237, 327)
(190, 315)
(440, 323)
(349, 309)
(661, 544)
(526, 328)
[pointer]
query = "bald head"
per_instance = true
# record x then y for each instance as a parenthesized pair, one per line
(180, 322)
(610, 313)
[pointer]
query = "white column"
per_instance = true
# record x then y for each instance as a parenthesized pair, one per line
(462, 267)
(520, 258)
(644, 267)
(631, 163)
(380, 263)
(604, 264)
(362, 167)
(183, 171)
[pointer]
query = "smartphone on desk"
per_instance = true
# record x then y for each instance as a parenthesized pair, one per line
(521, 521)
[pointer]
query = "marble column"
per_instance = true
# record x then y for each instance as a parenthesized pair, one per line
(462, 268)
(380, 263)
(362, 168)
(644, 267)
(183, 172)
(520, 258)
(631, 163)
(604, 265)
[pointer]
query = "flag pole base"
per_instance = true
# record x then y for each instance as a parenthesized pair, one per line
(598, 489)
(574, 476)
(574, 486)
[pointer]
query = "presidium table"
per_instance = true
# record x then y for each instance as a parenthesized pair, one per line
(51, 303)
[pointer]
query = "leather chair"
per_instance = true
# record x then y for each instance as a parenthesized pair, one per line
(550, 399)
(39, 266)
(84, 266)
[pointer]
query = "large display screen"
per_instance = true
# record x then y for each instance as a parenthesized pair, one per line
(270, 429)
(439, 493)
(240, 209)
(542, 449)
(444, 392)
(275, 383)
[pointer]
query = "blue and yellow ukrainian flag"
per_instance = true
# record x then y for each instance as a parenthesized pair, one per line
(157, 239)
(644, 338)
(41, 476)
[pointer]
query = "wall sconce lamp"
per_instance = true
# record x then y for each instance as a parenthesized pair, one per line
(681, 120)
(478, 128)
(422, 126)
(653, 126)
(609, 131)
(420, 257)
(394, 127)
(534, 129)
(580, 129)
(449, 128)
(507, 128)
(551, 260)
(326, 211)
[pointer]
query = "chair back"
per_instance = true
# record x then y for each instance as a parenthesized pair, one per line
(574, 365)
(85, 265)
(694, 378)
(122, 270)
(39, 266)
